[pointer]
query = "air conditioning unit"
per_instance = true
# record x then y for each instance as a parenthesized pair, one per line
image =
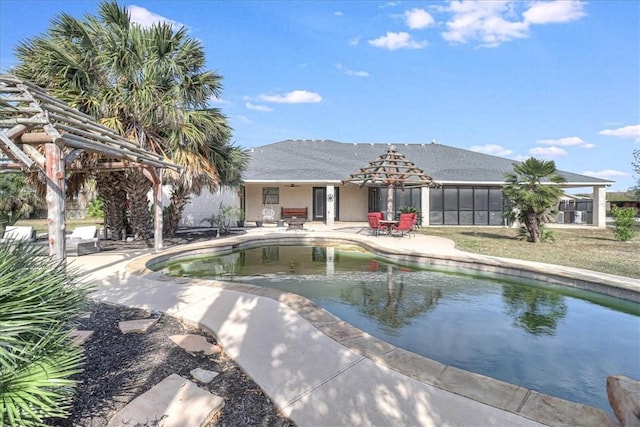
(580, 217)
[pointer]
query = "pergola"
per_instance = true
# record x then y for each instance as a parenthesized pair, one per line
(39, 133)
(391, 170)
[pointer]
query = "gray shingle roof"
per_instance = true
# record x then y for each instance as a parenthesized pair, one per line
(331, 161)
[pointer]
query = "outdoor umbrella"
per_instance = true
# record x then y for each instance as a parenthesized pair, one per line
(391, 170)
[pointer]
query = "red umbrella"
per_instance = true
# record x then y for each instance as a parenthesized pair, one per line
(392, 170)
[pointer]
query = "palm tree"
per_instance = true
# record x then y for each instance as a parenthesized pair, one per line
(16, 199)
(150, 85)
(533, 195)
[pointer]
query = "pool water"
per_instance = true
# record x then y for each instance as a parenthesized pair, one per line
(552, 339)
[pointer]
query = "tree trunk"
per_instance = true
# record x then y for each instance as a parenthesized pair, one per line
(115, 199)
(533, 227)
(138, 186)
(179, 198)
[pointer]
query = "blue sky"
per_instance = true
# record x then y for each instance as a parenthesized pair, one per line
(556, 80)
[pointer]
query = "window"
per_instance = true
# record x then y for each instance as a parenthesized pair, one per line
(270, 195)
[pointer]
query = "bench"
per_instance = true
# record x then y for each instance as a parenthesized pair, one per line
(295, 217)
(300, 213)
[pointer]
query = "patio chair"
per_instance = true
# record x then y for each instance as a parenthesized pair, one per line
(268, 215)
(14, 232)
(405, 224)
(83, 240)
(374, 224)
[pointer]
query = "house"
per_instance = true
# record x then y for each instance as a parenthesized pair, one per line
(309, 173)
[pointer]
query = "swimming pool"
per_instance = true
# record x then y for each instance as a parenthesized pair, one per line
(553, 339)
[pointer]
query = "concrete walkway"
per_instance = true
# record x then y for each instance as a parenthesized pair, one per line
(319, 370)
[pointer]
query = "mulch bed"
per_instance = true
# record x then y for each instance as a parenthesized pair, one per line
(119, 367)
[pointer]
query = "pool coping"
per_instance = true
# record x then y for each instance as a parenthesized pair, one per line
(496, 393)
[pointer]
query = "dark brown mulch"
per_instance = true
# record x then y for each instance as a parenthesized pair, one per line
(120, 367)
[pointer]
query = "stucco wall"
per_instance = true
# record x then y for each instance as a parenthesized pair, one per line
(353, 203)
(204, 205)
(299, 196)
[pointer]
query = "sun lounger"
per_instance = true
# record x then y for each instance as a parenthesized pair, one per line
(14, 232)
(83, 240)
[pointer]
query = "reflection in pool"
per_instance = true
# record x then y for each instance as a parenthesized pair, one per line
(553, 339)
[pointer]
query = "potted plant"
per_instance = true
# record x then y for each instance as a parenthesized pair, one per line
(240, 215)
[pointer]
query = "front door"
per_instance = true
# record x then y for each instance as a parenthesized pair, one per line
(320, 204)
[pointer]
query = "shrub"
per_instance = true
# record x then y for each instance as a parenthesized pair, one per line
(95, 209)
(413, 209)
(39, 299)
(625, 222)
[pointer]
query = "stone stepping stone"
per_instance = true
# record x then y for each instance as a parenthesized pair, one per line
(173, 402)
(136, 326)
(80, 337)
(195, 343)
(203, 375)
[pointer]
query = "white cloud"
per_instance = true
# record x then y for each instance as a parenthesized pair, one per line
(394, 41)
(495, 22)
(355, 41)
(548, 152)
(338, 13)
(293, 97)
(607, 173)
(353, 73)
(243, 119)
(257, 107)
(569, 141)
(632, 131)
(418, 19)
(552, 12)
(213, 100)
(493, 149)
(145, 18)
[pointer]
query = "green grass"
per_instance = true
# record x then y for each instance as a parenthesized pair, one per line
(589, 248)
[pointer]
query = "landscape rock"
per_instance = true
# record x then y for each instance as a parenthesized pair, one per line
(195, 343)
(174, 402)
(624, 398)
(80, 337)
(133, 326)
(203, 375)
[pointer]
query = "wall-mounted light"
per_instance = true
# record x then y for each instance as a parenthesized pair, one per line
(330, 198)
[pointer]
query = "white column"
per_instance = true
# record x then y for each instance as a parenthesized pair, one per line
(599, 206)
(424, 203)
(331, 205)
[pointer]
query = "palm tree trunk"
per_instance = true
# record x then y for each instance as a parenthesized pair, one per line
(533, 227)
(138, 186)
(179, 198)
(115, 199)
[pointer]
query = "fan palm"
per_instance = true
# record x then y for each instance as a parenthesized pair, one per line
(16, 199)
(533, 195)
(39, 299)
(150, 85)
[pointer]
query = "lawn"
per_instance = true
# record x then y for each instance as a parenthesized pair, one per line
(590, 248)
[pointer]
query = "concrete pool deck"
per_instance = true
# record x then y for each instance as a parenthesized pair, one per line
(321, 371)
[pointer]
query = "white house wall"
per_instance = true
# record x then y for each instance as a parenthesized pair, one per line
(299, 196)
(353, 203)
(203, 206)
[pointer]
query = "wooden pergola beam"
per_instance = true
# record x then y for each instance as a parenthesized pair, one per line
(29, 118)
